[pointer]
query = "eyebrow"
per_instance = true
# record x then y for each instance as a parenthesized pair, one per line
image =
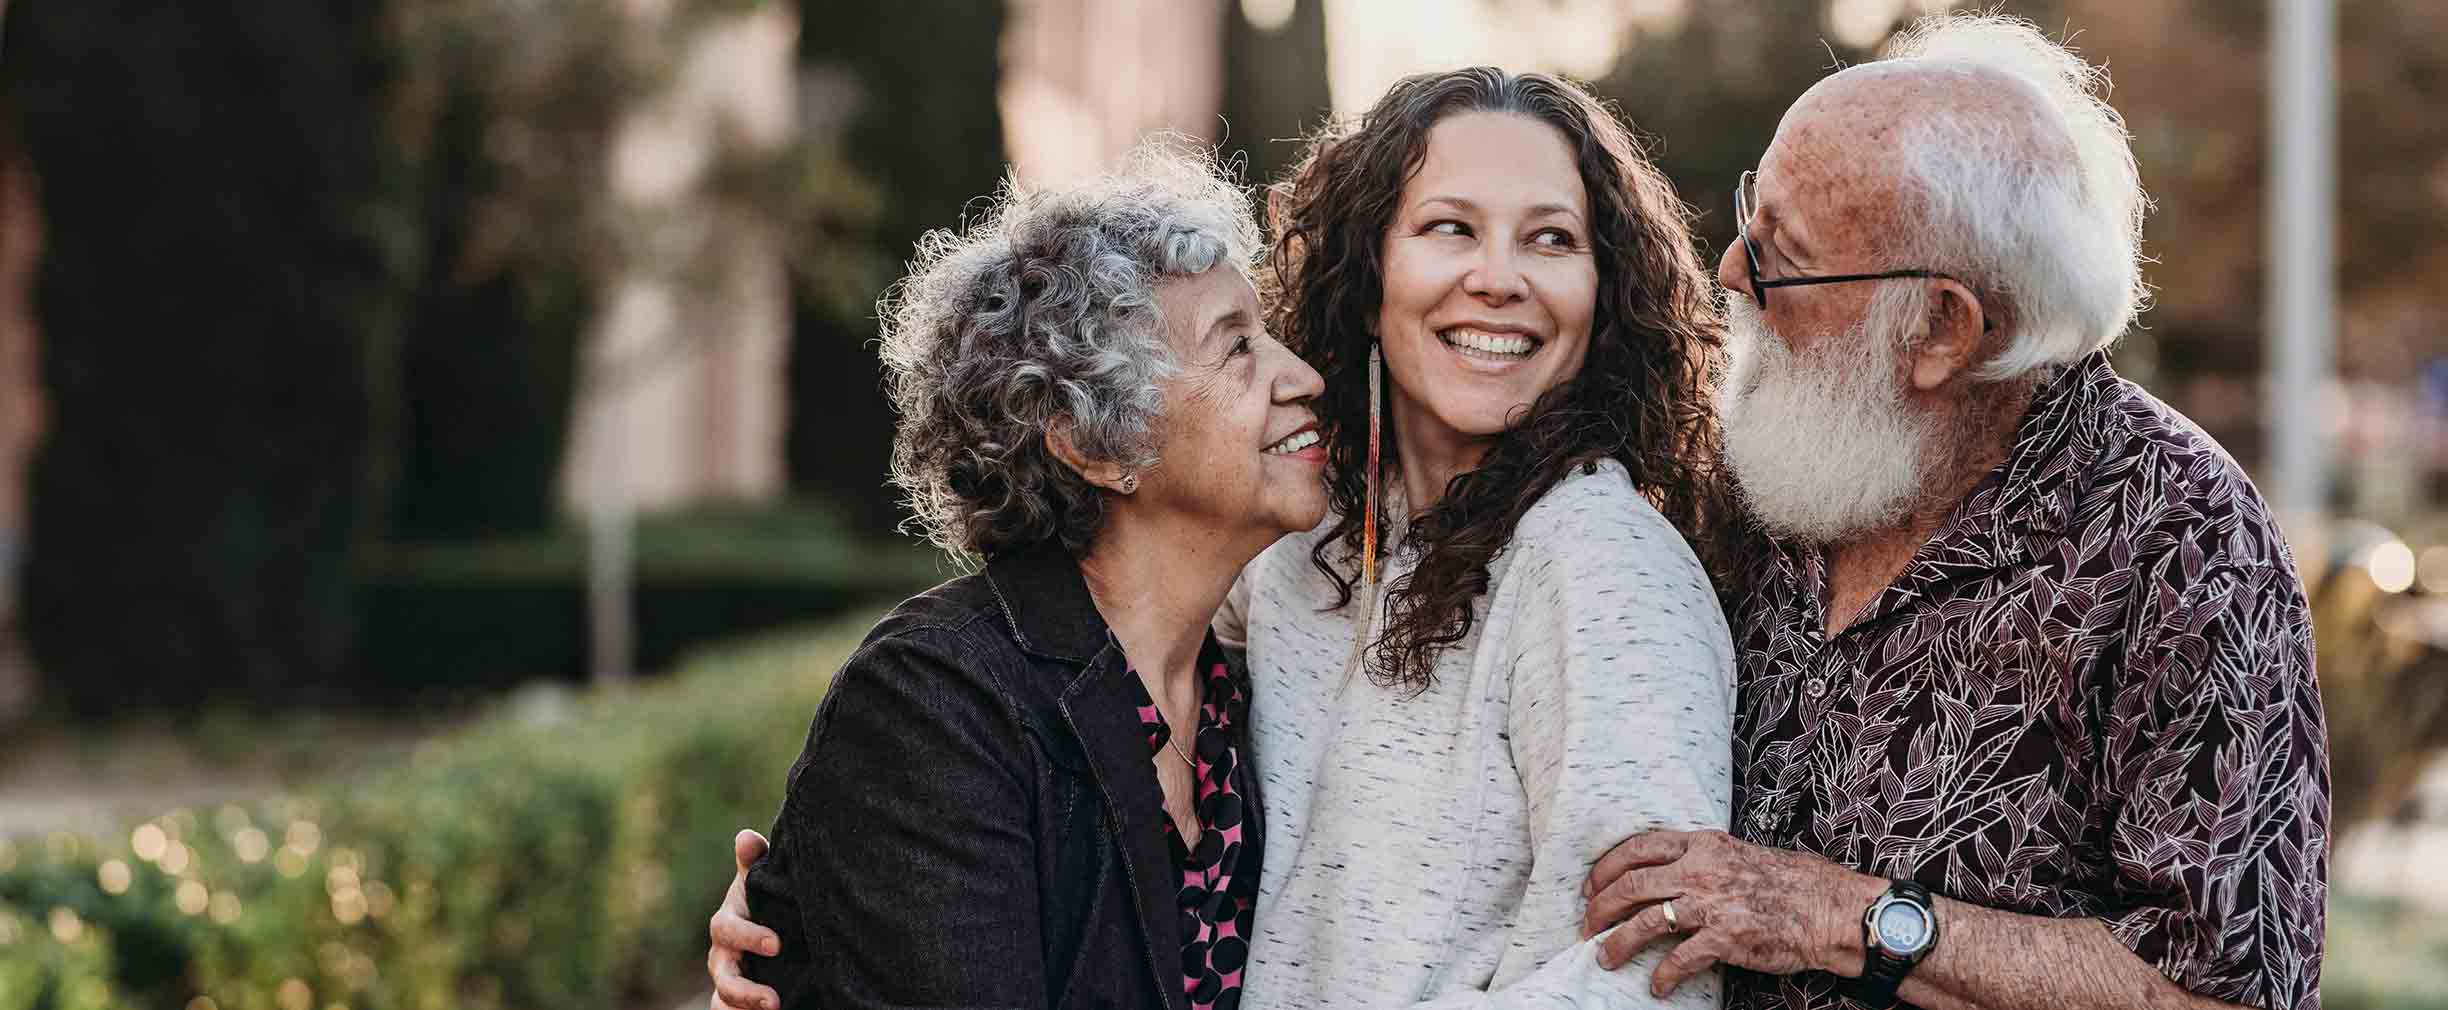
(1536, 210)
(1235, 316)
(1782, 237)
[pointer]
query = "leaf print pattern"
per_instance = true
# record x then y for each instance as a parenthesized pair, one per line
(2090, 694)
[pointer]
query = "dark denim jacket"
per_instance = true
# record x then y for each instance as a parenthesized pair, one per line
(975, 820)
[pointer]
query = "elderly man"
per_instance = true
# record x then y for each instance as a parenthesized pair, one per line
(2027, 713)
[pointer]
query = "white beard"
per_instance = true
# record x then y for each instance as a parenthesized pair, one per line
(1822, 449)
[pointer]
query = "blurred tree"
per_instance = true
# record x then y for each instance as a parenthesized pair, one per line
(316, 278)
(499, 116)
(211, 288)
(1274, 88)
(910, 89)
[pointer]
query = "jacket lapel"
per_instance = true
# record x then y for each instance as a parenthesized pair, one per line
(1103, 711)
(1054, 618)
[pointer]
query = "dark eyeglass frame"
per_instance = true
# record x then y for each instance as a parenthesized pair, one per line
(1743, 203)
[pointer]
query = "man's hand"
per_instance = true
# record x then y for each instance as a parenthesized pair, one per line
(733, 935)
(1765, 909)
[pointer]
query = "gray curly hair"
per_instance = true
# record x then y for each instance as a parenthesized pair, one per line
(1043, 310)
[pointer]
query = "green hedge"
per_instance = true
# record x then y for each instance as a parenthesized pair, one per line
(506, 865)
(486, 614)
(2385, 955)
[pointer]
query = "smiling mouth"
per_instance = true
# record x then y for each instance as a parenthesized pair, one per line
(1294, 442)
(1489, 345)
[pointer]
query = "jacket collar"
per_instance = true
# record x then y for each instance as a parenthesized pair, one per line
(1047, 602)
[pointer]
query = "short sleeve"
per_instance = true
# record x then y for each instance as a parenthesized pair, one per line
(2218, 767)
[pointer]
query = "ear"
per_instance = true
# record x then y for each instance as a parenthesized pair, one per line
(1104, 474)
(1958, 329)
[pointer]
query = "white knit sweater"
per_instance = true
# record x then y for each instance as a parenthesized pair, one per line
(1432, 847)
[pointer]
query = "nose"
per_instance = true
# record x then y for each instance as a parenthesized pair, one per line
(1732, 273)
(1497, 277)
(1298, 383)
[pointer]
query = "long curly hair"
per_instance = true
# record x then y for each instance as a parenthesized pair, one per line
(1643, 396)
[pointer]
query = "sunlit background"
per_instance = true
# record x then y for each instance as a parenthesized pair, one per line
(442, 458)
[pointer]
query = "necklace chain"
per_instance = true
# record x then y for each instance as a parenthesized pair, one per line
(1179, 752)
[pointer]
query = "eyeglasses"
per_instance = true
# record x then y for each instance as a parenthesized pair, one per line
(1746, 196)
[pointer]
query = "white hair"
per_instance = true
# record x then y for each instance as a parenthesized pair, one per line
(2041, 213)
(1822, 446)
(1046, 308)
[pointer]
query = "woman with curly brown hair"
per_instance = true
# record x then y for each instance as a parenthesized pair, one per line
(1498, 655)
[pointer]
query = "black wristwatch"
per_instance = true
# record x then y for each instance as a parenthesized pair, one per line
(1898, 930)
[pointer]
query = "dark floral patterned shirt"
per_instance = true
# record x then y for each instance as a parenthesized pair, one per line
(2090, 694)
(1217, 892)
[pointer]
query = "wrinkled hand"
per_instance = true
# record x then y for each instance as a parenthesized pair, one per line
(733, 935)
(1741, 904)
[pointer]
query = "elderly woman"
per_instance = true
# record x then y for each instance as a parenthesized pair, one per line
(1027, 787)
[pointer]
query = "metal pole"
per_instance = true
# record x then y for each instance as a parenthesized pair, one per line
(611, 536)
(2301, 281)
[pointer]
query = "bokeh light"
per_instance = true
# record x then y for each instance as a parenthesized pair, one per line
(2432, 572)
(148, 841)
(65, 926)
(114, 877)
(2392, 567)
(295, 994)
(176, 857)
(251, 845)
(193, 897)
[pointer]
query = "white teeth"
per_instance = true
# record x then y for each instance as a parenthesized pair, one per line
(1294, 442)
(1493, 343)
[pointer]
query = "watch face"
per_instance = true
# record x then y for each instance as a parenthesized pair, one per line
(1903, 927)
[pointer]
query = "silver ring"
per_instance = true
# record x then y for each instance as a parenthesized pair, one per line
(1671, 925)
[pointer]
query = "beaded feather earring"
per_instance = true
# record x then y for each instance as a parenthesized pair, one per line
(1368, 511)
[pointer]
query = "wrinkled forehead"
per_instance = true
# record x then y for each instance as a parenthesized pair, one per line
(1836, 160)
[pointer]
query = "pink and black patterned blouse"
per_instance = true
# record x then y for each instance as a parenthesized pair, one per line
(1216, 896)
(2091, 694)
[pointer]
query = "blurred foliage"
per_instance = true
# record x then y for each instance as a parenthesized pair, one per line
(508, 865)
(320, 285)
(2384, 690)
(2384, 955)
(449, 617)
(1274, 90)
(907, 91)
(214, 279)
(497, 118)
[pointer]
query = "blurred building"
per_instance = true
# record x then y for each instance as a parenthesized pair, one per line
(1084, 80)
(681, 395)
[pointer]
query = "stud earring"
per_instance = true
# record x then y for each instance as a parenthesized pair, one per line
(1130, 484)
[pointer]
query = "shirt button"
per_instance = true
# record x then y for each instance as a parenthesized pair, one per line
(1816, 687)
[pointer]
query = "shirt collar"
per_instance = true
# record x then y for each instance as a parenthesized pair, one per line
(2022, 507)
